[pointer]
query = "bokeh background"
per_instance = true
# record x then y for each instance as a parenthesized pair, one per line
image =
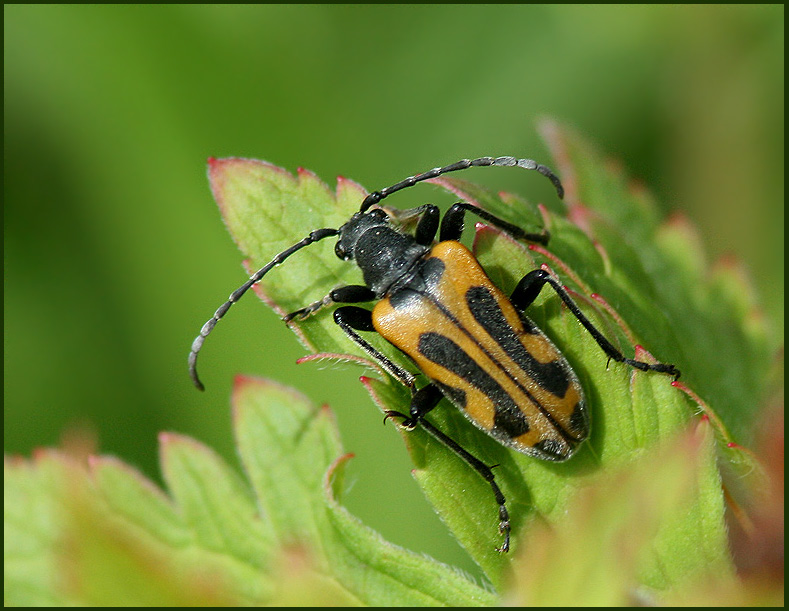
(115, 253)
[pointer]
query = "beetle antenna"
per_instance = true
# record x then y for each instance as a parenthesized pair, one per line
(526, 164)
(314, 236)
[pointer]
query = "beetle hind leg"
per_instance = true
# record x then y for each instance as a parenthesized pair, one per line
(352, 319)
(423, 401)
(485, 472)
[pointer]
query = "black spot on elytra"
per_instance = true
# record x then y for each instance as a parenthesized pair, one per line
(551, 449)
(509, 420)
(551, 376)
(579, 421)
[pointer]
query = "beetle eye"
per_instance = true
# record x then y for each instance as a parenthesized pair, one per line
(341, 252)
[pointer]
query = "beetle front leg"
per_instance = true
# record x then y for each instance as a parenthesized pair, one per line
(453, 222)
(352, 293)
(531, 285)
(428, 216)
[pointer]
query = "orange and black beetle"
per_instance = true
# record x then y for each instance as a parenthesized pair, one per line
(436, 304)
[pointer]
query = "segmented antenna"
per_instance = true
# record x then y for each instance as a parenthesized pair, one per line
(370, 200)
(526, 164)
(197, 344)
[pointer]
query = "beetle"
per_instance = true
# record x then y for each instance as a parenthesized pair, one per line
(474, 344)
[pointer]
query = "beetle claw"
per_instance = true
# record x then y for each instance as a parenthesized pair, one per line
(407, 422)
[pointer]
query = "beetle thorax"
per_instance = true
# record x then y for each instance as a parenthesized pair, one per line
(382, 253)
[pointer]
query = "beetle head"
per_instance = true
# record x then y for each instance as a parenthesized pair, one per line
(356, 226)
(383, 253)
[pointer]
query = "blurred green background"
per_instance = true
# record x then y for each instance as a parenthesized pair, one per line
(115, 253)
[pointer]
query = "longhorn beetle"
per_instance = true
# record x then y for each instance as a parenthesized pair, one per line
(474, 344)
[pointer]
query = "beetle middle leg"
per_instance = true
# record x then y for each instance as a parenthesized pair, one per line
(352, 319)
(531, 285)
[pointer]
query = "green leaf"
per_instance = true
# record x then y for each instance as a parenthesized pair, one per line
(611, 248)
(391, 575)
(704, 318)
(267, 210)
(279, 535)
(289, 450)
(101, 534)
(596, 550)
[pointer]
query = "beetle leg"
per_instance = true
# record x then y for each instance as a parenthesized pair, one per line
(427, 227)
(353, 293)
(428, 216)
(423, 401)
(351, 319)
(453, 222)
(484, 471)
(531, 285)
